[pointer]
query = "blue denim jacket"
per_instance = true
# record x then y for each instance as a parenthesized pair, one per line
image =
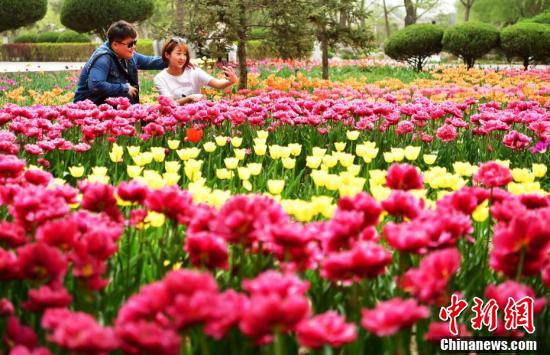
(103, 76)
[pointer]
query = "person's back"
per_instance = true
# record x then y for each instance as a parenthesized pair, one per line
(112, 70)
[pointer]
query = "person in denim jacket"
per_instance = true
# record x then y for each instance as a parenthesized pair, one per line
(112, 70)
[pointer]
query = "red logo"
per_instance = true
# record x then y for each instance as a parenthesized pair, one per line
(517, 313)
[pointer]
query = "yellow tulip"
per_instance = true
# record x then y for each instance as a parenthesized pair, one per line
(172, 166)
(231, 163)
(354, 169)
(361, 150)
(464, 168)
(380, 193)
(275, 187)
(240, 153)
(76, 171)
(330, 161)
(259, 141)
(398, 154)
(539, 170)
(346, 159)
(411, 153)
(275, 151)
(289, 163)
(220, 141)
(236, 141)
(333, 182)
(147, 157)
(318, 152)
(243, 172)
(102, 179)
(133, 150)
(388, 157)
(429, 158)
(209, 147)
(116, 153)
(295, 149)
(158, 153)
(171, 178)
(173, 144)
(352, 135)
(224, 174)
(247, 185)
(255, 168)
(260, 149)
(313, 162)
(319, 177)
(481, 213)
(262, 134)
(155, 219)
(134, 170)
(340, 146)
(378, 177)
(99, 170)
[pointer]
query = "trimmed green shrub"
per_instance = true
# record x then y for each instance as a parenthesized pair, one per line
(470, 40)
(47, 37)
(543, 18)
(528, 41)
(415, 43)
(257, 49)
(18, 13)
(145, 46)
(73, 37)
(47, 52)
(26, 38)
(97, 15)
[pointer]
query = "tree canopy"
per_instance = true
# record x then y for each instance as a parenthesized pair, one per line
(18, 13)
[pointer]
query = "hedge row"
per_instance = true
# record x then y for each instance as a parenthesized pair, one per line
(58, 52)
(527, 41)
(53, 37)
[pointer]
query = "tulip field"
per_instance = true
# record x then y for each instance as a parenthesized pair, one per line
(298, 216)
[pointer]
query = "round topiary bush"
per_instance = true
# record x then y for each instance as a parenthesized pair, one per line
(97, 15)
(73, 37)
(26, 38)
(18, 13)
(415, 43)
(47, 37)
(527, 41)
(470, 41)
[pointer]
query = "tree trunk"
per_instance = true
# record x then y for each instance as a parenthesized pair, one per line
(467, 14)
(241, 47)
(526, 63)
(467, 7)
(324, 50)
(410, 18)
(386, 19)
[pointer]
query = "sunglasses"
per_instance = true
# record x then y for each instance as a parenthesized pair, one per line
(129, 44)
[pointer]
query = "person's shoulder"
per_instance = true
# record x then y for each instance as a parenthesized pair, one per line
(162, 75)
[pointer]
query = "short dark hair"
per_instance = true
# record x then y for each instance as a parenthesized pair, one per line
(120, 30)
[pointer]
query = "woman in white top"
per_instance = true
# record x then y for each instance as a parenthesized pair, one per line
(182, 81)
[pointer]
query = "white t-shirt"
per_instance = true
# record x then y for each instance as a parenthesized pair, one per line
(188, 83)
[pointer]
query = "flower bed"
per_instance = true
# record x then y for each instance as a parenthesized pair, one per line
(276, 220)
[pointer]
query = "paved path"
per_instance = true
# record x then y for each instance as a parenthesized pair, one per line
(8, 67)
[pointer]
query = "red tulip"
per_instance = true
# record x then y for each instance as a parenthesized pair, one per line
(193, 135)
